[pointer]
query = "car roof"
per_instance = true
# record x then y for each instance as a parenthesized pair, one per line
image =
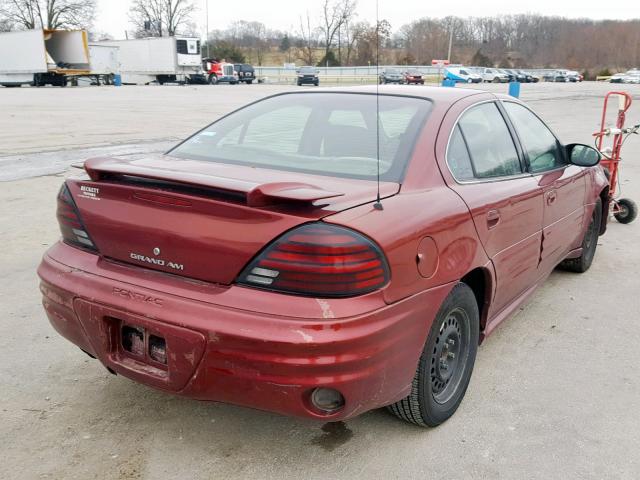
(437, 94)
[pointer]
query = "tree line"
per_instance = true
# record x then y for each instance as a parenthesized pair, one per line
(333, 35)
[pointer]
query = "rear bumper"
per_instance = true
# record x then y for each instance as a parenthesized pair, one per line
(218, 352)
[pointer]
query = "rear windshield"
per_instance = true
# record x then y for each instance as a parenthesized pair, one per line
(331, 134)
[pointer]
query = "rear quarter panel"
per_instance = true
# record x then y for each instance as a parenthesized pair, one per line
(452, 248)
(426, 218)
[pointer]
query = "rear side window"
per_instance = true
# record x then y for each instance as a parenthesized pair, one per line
(491, 148)
(539, 143)
(333, 134)
(458, 157)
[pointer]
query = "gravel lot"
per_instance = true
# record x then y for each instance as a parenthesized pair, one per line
(555, 391)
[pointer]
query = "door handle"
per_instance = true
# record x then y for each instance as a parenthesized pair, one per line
(551, 197)
(493, 218)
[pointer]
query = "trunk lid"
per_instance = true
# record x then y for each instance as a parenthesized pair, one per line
(202, 220)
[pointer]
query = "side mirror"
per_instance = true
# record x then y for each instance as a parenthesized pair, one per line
(583, 155)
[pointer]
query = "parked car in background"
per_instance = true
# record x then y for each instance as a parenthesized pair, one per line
(462, 75)
(529, 77)
(413, 77)
(572, 75)
(492, 75)
(308, 75)
(555, 76)
(510, 75)
(630, 76)
(516, 75)
(391, 75)
(346, 251)
(246, 73)
(618, 77)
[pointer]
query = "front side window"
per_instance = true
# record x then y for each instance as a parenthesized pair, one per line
(540, 145)
(330, 134)
(491, 148)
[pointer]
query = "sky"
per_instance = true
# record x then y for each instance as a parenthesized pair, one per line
(284, 14)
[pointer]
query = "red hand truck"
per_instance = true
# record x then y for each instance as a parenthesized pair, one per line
(624, 210)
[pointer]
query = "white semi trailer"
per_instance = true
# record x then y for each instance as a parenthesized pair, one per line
(161, 60)
(41, 57)
(105, 62)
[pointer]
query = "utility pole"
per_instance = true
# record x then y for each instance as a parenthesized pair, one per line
(450, 44)
(206, 35)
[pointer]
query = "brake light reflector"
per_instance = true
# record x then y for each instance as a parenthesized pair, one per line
(71, 226)
(320, 260)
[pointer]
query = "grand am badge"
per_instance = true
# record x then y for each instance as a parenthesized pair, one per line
(156, 261)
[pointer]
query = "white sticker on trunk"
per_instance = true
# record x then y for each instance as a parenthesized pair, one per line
(89, 192)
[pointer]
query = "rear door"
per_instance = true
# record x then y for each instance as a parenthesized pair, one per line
(563, 185)
(505, 202)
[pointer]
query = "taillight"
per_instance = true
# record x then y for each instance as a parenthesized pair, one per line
(320, 260)
(71, 226)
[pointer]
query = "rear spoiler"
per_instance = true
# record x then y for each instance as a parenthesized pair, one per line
(255, 194)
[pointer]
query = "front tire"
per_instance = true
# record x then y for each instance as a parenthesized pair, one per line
(627, 211)
(446, 363)
(589, 243)
(213, 79)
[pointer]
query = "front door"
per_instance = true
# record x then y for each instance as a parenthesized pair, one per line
(563, 185)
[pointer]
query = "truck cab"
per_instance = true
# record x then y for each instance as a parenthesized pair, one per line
(219, 71)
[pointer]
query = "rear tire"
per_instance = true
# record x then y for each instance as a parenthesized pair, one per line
(628, 211)
(213, 79)
(589, 243)
(446, 363)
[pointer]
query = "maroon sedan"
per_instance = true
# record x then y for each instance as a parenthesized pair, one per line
(261, 263)
(413, 77)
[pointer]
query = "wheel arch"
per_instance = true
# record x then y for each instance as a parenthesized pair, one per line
(480, 281)
(606, 200)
